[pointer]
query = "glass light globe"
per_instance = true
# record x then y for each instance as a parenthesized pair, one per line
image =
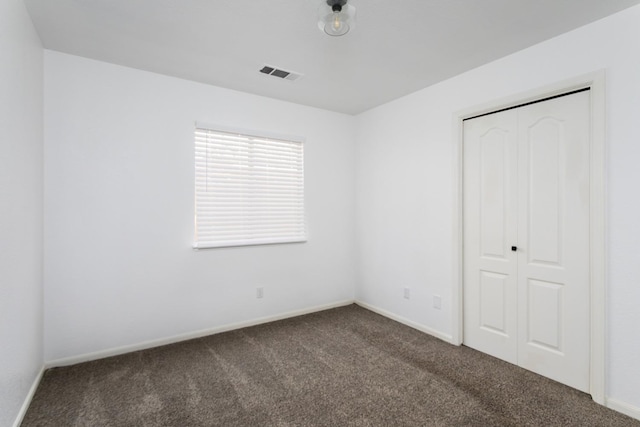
(338, 22)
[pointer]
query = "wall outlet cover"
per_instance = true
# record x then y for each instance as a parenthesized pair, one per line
(437, 302)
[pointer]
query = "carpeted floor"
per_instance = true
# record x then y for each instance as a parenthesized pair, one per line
(340, 367)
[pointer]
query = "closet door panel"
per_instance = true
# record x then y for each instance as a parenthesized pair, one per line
(490, 184)
(553, 232)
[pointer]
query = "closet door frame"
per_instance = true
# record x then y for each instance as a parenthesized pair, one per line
(595, 82)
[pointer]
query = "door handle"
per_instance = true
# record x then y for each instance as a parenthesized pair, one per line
(514, 248)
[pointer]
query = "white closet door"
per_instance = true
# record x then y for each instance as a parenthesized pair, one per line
(553, 234)
(490, 228)
(526, 185)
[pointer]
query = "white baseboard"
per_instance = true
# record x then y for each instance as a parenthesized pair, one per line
(427, 330)
(87, 357)
(625, 408)
(28, 399)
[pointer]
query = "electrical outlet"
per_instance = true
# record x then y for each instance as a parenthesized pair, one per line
(437, 302)
(407, 293)
(259, 292)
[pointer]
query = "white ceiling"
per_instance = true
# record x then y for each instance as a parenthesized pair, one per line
(397, 47)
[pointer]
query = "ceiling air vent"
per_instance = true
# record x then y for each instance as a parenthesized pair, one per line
(283, 74)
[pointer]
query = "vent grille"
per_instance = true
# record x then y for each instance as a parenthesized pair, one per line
(283, 74)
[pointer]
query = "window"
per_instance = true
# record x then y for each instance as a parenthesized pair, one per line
(249, 189)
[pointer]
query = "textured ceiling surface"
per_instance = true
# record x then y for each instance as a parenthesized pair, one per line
(397, 47)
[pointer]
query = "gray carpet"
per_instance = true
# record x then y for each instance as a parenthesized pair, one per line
(341, 367)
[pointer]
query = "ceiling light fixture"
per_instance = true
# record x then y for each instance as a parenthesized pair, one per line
(336, 17)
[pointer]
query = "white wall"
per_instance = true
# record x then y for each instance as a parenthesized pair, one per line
(20, 208)
(404, 210)
(119, 195)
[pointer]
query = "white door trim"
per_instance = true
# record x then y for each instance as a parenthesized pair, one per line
(596, 83)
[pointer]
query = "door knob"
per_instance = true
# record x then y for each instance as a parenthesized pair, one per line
(514, 248)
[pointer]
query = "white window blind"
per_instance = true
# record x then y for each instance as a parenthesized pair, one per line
(249, 189)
